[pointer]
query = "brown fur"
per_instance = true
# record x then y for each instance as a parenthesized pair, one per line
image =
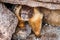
(20, 23)
(36, 22)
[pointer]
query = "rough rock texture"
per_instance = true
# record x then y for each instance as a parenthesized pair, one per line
(51, 17)
(8, 23)
(35, 3)
(22, 33)
(52, 1)
(50, 33)
(54, 18)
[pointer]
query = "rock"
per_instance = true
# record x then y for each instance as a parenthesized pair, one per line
(49, 36)
(52, 1)
(51, 17)
(8, 23)
(31, 37)
(33, 3)
(22, 33)
(50, 33)
(54, 18)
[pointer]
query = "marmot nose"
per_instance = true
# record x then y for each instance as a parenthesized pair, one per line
(24, 17)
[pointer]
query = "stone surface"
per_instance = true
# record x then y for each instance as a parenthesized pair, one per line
(52, 1)
(22, 34)
(8, 23)
(54, 18)
(51, 17)
(50, 33)
(34, 3)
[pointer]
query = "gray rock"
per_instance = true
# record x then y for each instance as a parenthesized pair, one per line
(50, 32)
(8, 23)
(33, 37)
(52, 1)
(22, 34)
(50, 5)
(49, 36)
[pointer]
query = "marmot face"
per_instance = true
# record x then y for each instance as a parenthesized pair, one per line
(26, 13)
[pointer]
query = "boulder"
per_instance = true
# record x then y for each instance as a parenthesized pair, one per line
(35, 3)
(8, 23)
